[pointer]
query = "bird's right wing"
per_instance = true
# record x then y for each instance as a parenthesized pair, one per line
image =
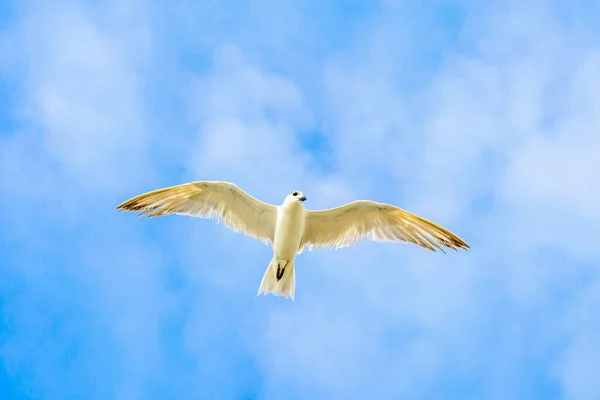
(222, 201)
(348, 224)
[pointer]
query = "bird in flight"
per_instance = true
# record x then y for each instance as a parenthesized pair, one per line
(289, 228)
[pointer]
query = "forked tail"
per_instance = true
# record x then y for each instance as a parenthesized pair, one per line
(279, 279)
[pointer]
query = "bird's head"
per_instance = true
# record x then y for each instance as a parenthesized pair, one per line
(295, 196)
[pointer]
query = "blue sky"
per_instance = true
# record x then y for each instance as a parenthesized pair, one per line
(482, 116)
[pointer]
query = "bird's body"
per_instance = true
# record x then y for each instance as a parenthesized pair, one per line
(290, 228)
(291, 217)
(280, 278)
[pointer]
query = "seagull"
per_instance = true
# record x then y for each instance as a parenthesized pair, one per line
(289, 228)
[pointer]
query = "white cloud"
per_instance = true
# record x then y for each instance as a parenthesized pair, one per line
(82, 95)
(81, 139)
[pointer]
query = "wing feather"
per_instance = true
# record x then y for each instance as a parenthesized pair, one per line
(222, 201)
(363, 219)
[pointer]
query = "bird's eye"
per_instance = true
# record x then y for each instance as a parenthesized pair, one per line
(294, 193)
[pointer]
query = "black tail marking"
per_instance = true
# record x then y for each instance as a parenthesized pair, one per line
(280, 272)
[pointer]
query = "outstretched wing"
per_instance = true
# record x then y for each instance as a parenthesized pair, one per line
(222, 201)
(363, 219)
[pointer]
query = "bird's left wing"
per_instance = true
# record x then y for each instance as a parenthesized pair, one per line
(363, 219)
(222, 201)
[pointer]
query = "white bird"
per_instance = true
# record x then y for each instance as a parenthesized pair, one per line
(289, 228)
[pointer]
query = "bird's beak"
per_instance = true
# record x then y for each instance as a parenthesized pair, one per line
(303, 198)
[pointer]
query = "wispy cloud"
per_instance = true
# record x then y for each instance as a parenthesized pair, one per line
(480, 117)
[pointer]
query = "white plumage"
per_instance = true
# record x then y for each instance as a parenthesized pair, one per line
(290, 228)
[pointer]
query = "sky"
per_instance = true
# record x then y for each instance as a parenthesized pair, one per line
(481, 116)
